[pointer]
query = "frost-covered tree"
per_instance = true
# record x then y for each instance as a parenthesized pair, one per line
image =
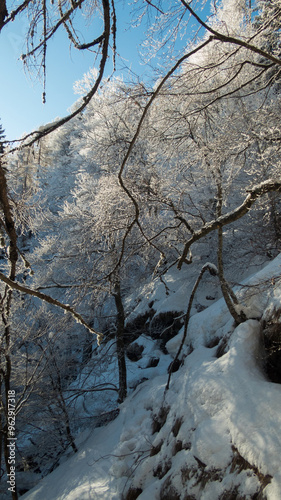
(91, 229)
(226, 81)
(268, 20)
(145, 170)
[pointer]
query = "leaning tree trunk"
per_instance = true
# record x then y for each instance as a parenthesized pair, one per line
(228, 294)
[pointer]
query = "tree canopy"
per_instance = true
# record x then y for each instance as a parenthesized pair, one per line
(140, 178)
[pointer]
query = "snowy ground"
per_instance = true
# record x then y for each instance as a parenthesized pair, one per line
(215, 433)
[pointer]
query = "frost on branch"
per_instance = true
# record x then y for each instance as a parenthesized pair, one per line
(213, 270)
(50, 300)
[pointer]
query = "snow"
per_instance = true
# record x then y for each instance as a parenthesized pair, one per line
(84, 474)
(217, 408)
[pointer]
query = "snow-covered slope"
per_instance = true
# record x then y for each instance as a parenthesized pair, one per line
(215, 434)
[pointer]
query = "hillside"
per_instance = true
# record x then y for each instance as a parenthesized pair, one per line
(140, 259)
(215, 434)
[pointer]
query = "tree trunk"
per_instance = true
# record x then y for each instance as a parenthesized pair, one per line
(213, 272)
(10, 229)
(120, 347)
(228, 295)
(87, 348)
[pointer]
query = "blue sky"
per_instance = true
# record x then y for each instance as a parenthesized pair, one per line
(21, 107)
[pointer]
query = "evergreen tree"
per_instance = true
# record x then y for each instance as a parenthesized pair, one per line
(2, 136)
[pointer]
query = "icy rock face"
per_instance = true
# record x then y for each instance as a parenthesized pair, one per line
(272, 339)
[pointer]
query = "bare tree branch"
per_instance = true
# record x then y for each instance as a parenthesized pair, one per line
(15, 12)
(154, 6)
(135, 137)
(231, 39)
(46, 298)
(254, 193)
(3, 13)
(36, 135)
(62, 20)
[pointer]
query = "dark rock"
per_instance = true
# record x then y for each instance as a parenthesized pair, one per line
(134, 352)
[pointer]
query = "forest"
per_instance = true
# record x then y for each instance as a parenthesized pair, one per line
(125, 226)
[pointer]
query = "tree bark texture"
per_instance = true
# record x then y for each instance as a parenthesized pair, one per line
(3, 13)
(120, 346)
(6, 369)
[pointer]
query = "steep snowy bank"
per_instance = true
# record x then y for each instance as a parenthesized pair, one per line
(214, 434)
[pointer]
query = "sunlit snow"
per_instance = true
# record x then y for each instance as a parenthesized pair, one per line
(216, 408)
